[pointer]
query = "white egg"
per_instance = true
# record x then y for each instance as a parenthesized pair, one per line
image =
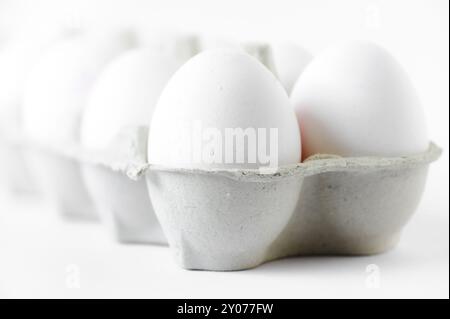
(59, 85)
(290, 60)
(214, 95)
(263, 53)
(356, 100)
(17, 58)
(120, 108)
(56, 94)
(125, 95)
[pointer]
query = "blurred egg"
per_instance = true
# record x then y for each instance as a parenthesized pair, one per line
(259, 50)
(125, 95)
(119, 110)
(356, 100)
(213, 94)
(290, 60)
(181, 45)
(56, 94)
(17, 58)
(263, 53)
(59, 85)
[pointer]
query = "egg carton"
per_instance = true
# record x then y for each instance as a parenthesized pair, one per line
(225, 220)
(51, 172)
(122, 199)
(233, 219)
(103, 186)
(60, 181)
(238, 219)
(15, 174)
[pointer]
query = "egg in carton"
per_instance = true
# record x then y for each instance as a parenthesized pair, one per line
(290, 61)
(18, 55)
(115, 129)
(55, 95)
(286, 60)
(231, 215)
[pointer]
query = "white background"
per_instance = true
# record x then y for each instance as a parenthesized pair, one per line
(39, 255)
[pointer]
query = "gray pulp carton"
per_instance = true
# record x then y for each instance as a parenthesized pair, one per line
(237, 219)
(59, 178)
(122, 203)
(15, 173)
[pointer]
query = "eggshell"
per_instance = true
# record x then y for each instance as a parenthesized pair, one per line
(356, 100)
(55, 96)
(290, 60)
(220, 89)
(123, 99)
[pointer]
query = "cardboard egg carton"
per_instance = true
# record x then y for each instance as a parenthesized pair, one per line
(224, 220)
(50, 172)
(14, 172)
(237, 219)
(61, 183)
(99, 186)
(120, 196)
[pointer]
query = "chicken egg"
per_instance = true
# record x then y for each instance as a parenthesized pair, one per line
(290, 60)
(120, 108)
(56, 94)
(125, 95)
(16, 61)
(59, 85)
(356, 100)
(223, 109)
